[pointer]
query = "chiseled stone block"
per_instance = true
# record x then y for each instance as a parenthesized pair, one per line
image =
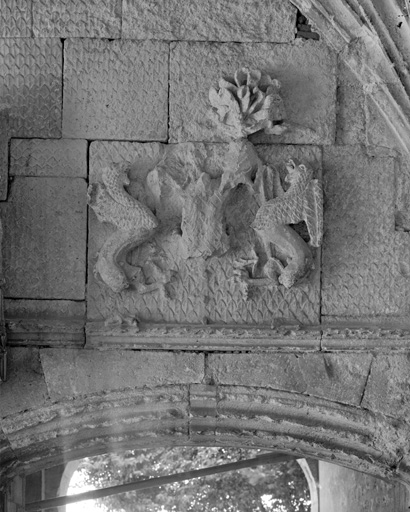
(115, 90)
(209, 20)
(15, 18)
(338, 377)
(365, 261)
(42, 157)
(25, 386)
(44, 244)
(82, 372)
(388, 386)
(4, 153)
(306, 70)
(77, 18)
(351, 113)
(32, 85)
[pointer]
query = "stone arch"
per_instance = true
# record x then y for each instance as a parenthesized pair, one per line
(209, 416)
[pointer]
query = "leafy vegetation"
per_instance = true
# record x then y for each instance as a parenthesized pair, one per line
(270, 488)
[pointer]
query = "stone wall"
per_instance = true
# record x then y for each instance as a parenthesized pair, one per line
(342, 489)
(321, 369)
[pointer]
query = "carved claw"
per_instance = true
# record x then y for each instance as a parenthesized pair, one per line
(164, 277)
(119, 321)
(241, 264)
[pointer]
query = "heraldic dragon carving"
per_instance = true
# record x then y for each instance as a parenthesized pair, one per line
(244, 104)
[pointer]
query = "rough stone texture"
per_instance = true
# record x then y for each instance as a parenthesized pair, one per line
(7, 457)
(351, 111)
(4, 153)
(300, 303)
(117, 421)
(46, 158)
(203, 289)
(45, 238)
(15, 18)
(402, 192)
(25, 387)
(49, 322)
(209, 20)
(341, 378)
(17, 308)
(365, 262)
(342, 489)
(306, 70)
(32, 85)
(379, 130)
(115, 90)
(77, 18)
(84, 372)
(388, 387)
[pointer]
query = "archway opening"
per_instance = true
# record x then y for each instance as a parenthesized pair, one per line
(279, 487)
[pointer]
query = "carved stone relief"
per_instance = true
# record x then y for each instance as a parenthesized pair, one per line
(211, 226)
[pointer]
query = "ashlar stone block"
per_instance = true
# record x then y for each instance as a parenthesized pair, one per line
(379, 129)
(209, 20)
(351, 111)
(306, 70)
(336, 377)
(32, 85)
(82, 372)
(46, 158)
(77, 18)
(388, 386)
(4, 153)
(365, 261)
(115, 90)
(15, 18)
(44, 223)
(25, 386)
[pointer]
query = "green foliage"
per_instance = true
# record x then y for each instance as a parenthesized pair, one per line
(270, 488)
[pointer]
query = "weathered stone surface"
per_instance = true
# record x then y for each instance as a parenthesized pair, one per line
(32, 85)
(15, 18)
(17, 308)
(379, 129)
(225, 305)
(337, 377)
(4, 153)
(120, 420)
(77, 18)
(202, 290)
(46, 322)
(402, 192)
(208, 20)
(45, 238)
(388, 386)
(46, 158)
(365, 262)
(7, 457)
(343, 489)
(351, 111)
(84, 372)
(306, 70)
(115, 90)
(25, 387)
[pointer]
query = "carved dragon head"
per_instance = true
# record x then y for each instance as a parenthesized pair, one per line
(247, 103)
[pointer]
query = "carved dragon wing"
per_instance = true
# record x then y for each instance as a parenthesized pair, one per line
(280, 210)
(313, 212)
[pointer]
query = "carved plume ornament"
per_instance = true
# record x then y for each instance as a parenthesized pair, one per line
(244, 206)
